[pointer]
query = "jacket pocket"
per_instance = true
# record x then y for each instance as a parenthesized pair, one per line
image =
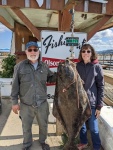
(25, 76)
(42, 75)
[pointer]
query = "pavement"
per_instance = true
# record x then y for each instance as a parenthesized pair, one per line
(11, 136)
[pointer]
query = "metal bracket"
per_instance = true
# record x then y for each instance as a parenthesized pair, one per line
(4, 2)
(100, 1)
(48, 4)
(103, 8)
(66, 1)
(27, 3)
(86, 5)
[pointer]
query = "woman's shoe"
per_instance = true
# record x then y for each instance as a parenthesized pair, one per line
(81, 146)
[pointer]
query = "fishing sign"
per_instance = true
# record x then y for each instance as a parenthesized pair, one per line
(56, 47)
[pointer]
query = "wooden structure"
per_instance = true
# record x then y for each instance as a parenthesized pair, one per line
(27, 18)
(106, 60)
(108, 77)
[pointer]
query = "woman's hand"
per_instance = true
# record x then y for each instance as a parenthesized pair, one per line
(97, 113)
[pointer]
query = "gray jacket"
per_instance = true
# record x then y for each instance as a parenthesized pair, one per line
(29, 85)
(92, 75)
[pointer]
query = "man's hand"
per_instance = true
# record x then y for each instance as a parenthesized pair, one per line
(97, 113)
(16, 108)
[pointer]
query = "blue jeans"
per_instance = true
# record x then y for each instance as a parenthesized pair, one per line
(93, 127)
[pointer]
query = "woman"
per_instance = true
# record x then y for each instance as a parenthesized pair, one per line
(91, 73)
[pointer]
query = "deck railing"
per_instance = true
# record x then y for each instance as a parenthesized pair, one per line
(108, 99)
(106, 60)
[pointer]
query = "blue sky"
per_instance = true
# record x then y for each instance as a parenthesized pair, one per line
(5, 37)
(102, 40)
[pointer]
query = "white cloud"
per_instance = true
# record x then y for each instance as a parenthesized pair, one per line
(3, 28)
(102, 40)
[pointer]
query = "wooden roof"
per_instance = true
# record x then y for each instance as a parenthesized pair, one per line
(90, 16)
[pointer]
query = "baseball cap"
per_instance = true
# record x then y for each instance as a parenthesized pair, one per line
(31, 43)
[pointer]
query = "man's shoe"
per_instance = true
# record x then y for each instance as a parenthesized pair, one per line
(26, 148)
(81, 146)
(45, 146)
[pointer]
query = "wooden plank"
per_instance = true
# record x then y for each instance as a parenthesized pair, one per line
(59, 21)
(109, 7)
(108, 101)
(27, 22)
(108, 79)
(66, 20)
(54, 4)
(106, 26)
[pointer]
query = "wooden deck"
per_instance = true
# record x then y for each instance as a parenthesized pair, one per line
(108, 90)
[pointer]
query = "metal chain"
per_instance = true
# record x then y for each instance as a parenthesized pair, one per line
(72, 20)
(72, 30)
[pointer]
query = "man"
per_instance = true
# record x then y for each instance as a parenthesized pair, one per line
(29, 85)
(0, 106)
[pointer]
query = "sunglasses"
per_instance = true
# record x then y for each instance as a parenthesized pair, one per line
(34, 50)
(84, 51)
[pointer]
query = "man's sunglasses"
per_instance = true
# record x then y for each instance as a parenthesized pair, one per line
(34, 50)
(84, 51)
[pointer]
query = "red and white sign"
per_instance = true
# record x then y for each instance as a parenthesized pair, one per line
(54, 50)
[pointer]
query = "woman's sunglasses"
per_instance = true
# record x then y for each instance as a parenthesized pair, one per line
(34, 50)
(84, 51)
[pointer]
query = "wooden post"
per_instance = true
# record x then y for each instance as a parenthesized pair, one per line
(110, 61)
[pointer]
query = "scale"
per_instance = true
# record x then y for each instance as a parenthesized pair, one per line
(72, 41)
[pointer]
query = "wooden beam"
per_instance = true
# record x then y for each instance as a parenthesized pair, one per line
(47, 28)
(66, 17)
(59, 21)
(6, 19)
(54, 4)
(27, 22)
(98, 26)
(109, 7)
(59, 5)
(66, 20)
(71, 3)
(110, 25)
(6, 23)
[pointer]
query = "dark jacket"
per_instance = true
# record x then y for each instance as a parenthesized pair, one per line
(29, 85)
(92, 75)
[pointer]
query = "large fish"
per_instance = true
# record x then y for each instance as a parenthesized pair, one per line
(71, 105)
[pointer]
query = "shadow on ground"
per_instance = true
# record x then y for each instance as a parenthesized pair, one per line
(19, 147)
(6, 109)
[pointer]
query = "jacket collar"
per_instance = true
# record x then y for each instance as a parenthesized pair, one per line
(28, 62)
(93, 62)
